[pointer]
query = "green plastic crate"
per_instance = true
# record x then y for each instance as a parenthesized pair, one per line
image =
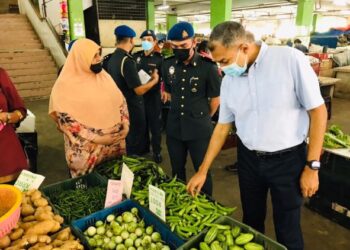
(82, 182)
(259, 238)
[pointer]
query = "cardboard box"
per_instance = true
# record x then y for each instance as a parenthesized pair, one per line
(327, 72)
(326, 64)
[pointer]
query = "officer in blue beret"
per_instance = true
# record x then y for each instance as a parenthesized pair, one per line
(122, 67)
(148, 60)
(192, 82)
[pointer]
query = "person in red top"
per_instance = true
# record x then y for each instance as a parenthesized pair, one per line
(12, 157)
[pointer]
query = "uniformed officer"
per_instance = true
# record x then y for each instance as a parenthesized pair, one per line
(148, 60)
(193, 84)
(122, 67)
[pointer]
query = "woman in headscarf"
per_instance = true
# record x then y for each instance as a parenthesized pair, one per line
(89, 109)
(12, 157)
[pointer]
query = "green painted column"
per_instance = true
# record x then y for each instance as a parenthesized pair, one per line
(305, 16)
(220, 11)
(315, 19)
(150, 15)
(76, 19)
(171, 20)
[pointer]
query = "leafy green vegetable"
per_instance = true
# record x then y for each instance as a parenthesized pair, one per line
(336, 138)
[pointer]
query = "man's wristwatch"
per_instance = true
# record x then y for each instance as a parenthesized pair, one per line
(314, 165)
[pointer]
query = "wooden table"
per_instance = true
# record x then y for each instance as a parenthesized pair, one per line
(343, 86)
(327, 85)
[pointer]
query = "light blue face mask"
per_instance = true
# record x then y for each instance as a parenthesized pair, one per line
(146, 45)
(234, 69)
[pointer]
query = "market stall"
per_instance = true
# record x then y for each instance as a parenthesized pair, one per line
(343, 86)
(149, 220)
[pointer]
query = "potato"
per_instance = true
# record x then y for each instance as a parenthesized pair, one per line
(41, 202)
(72, 244)
(64, 234)
(28, 225)
(41, 246)
(56, 227)
(27, 210)
(29, 218)
(44, 239)
(15, 235)
(35, 195)
(58, 218)
(43, 215)
(41, 228)
(57, 243)
(30, 192)
(32, 239)
(5, 241)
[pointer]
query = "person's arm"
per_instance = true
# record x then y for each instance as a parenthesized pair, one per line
(166, 93)
(217, 140)
(141, 90)
(213, 88)
(309, 95)
(309, 179)
(214, 104)
(16, 110)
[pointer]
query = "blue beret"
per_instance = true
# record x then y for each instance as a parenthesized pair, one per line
(148, 33)
(181, 31)
(71, 44)
(124, 31)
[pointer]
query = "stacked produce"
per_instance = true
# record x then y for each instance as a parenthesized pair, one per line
(35, 227)
(225, 237)
(336, 138)
(186, 215)
(78, 203)
(124, 232)
(146, 172)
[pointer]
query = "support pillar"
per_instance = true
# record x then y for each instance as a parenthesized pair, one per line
(220, 11)
(171, 20)
(150, 15)
(304, 19)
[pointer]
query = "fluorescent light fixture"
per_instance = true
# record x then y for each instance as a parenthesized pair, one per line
(344, 12)
(340, 2)
(163, 7)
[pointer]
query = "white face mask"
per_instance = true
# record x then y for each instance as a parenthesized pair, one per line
(234, 69)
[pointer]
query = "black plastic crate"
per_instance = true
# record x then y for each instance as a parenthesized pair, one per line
(82, 182)
(29, 142)
(336, 164)
(259, 238)
(171, 239)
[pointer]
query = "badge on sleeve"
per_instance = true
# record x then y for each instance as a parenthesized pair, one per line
(138, 60)
(171, 70)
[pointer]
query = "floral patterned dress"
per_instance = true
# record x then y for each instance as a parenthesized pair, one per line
(83, 152)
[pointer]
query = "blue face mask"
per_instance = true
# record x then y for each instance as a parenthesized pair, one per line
(234, 69)
(146, 45)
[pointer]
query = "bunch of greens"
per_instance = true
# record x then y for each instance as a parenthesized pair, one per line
(336, 138)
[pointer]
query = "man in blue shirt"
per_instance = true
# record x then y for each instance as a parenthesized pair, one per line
(273, 96)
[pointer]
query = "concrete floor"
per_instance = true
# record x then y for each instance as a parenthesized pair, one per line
(319, 232)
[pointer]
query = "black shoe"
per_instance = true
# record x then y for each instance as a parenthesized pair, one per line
(157, 158)
(232, 168)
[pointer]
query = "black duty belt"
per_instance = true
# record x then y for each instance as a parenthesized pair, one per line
(279, 153)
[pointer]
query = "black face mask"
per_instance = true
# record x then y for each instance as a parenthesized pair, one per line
(96, 68)
(182, 54)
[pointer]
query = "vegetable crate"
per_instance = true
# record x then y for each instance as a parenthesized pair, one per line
(79, 226)
(268, 243)
(83, 183)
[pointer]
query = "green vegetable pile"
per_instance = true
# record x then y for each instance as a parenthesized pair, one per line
(78, 203)
(186, 215)
(225, 237)
(124, 232)
(146, 172)
(335, 138)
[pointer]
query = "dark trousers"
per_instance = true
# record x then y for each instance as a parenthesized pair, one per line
(135, 140)
(153, 108)
(280, 174)
(178, 155)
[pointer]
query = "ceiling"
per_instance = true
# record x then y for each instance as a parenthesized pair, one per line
(199, 10)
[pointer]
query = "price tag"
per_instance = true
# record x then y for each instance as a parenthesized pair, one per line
(114, 193)
(157, 201)
(127, 180)
(28, 180)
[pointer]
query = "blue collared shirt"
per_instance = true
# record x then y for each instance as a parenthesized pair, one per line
(269, 104)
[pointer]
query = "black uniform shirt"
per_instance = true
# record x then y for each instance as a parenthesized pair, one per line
(190, 87)
(148, 64)
(122, 67)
